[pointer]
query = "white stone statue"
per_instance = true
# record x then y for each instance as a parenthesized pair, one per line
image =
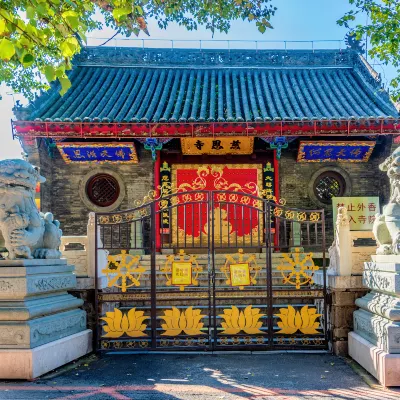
(387, 225)
(340, 251)
(27, 232)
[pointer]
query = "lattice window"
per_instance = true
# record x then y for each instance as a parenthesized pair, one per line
(327, 185)
(103, 190)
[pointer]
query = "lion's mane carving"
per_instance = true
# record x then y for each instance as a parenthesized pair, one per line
(387, 225)
(27, 232)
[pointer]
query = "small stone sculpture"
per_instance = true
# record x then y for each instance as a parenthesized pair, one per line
(27, 232)
(387, 225)
(340, 251)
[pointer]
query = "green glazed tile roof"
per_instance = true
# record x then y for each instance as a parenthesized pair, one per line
(158, 85)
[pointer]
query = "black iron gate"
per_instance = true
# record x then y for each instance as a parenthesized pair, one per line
(234, 272)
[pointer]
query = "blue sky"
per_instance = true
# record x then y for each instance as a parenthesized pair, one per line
(295, 20)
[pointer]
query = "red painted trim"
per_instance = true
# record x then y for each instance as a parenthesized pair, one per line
(277, 194)
(157, 183)
(92, 130)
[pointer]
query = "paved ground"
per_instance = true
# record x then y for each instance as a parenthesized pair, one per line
(198, 377)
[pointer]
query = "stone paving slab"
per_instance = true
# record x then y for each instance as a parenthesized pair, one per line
(280, 376)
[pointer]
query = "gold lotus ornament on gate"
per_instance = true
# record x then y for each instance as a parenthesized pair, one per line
(181, 270)
(119, 324)
(295, 266)
(187, 321)
(246, 321)
(123, 271)
(246, 267)
(303, 320)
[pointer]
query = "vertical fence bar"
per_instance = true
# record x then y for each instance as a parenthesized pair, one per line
(210, 277)
(268, 263)
(96, 287)
(324, 276)
(153, 279)
(212, 245)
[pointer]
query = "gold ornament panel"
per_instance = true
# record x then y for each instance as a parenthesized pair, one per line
(211, 178)
(295, 267)
(292, 321)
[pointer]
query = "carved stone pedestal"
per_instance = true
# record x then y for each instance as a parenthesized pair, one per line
(375, 342)
(36, 313)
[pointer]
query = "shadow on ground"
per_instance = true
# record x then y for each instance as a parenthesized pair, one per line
(232, 376)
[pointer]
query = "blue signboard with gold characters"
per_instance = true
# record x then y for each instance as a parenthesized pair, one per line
(335, 151)
(98, 153)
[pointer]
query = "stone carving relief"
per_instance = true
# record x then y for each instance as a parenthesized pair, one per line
(27, 232)
(5, 286)
(387, 225)
(55, 283)
(65, 324)
(11, 336)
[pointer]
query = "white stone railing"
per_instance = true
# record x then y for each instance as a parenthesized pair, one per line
(84, 259)
(345, 257)
(76, 257)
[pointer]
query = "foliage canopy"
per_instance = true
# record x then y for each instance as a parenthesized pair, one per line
(382, 31)
(38, 38)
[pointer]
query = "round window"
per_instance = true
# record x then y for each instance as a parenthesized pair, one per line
(329, 184)
(103, 190)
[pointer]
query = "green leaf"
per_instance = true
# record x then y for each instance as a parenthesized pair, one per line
(262, 28)
(2, 26)
(50, 73)
(69, 47)
(65, 85)
(72, 18)
(119, 13)
(60, 71)
(30, 12)
(139, 10)
(7, 49)
(28, 60)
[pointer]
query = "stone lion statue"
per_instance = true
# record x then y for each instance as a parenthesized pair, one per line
(387, 225)
(27, 232)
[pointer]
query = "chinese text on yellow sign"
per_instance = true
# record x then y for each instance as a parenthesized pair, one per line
(361, 211)
(220, 145)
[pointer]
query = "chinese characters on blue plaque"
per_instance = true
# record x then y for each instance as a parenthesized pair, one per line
(116, 153)
(335, 151)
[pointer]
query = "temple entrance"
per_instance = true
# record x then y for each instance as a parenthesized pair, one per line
(234, 271)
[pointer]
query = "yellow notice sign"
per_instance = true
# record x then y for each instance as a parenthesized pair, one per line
(240, 274)
(220, 145)
(360, 210)
(181, 273)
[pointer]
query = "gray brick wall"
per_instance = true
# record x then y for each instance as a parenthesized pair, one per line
(60, 194)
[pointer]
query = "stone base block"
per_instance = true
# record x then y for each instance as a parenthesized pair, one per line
(337, 282)
(24, 310)
(380, 331)
(383, 366)
(31, 363)
(38, 331)
(382, 304)
(383, 274)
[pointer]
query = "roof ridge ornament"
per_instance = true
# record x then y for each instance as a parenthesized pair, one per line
(354, 44)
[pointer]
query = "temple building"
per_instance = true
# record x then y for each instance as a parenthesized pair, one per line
(215, 177)
(303, 126)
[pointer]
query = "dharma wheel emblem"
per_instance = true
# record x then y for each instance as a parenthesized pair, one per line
(295, 266)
